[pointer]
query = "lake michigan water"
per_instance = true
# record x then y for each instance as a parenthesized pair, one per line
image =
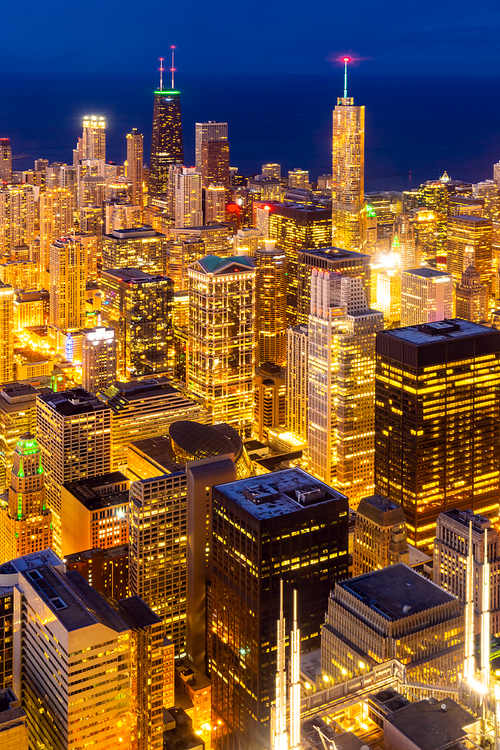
(416, 126)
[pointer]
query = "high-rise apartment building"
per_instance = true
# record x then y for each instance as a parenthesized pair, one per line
(26, 523)
(17, 416)
(436, 395)
(105, 569)
(294, 228)
(379, 535)
(135, 163)
(17, 216)
(341, 393)
(221, 337)
(206, 132)
(166, 139)
(67, 284)
(6, 636)
(142, 248)
(393, 613)
(471, 297)
(13, 727)
(145, 409)
(56, 220)
(73, 429)
(426, 296)
(98, 359)
(96, 666)
(298, 525)
(451, 550)
(271, 171)
(389, 295)
(297, 381)
(188, 211)
(5, 160)
(348, 168)
(269, 399)
(215, 203)
(93, 142)
(270, 304)
(6, 333)
(354, 265)
(469, 235)
(138, 306)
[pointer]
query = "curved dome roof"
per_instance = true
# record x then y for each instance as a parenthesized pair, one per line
(204, 441)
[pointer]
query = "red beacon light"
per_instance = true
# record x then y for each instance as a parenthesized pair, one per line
(233, 208)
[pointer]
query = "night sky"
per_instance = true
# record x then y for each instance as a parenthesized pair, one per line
(227, 36)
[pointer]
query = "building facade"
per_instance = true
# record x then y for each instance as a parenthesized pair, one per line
(426, 296)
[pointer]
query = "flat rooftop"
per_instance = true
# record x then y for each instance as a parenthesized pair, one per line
(159, 451)
(333, 253)
(396, 592)
(280, 493)
(427, 273)
(443, 331)
(73, 402)
(430, 726)
(132, 275)
(88, 494)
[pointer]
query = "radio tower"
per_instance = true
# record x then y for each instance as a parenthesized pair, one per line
(295, 681)
(280, 736)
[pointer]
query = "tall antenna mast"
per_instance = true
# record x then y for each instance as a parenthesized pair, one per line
(172, 69)
(485, 617)
(161, 73)
(469, 611)
(345, 60)
(295, 681)
(279, 740)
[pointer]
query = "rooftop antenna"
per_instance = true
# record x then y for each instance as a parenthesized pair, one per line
(161, 73)
(172, 69)
(345, 60)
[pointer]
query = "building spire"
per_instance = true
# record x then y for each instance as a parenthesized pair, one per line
(172, 69)
(295, 681)
(469, 611)
(345, 60)
(161, 73)
(280, 736)
(485, 617)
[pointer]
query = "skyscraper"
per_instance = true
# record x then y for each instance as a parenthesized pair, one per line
(99, 359)
(5, 160)
(215, 204)
(341, 375)
(67, 284)
(206, 132)
(135, 161)
(436, 396)
(17, 217)
(138, 306)
(348, 165)
(166, 138)
(74, 434)
(93, 142)
(469, 235)
(17, 416)
(142, 248)
(56, 220)
(297, 381)
(426, 296)
(471, 297)
(188, 211)
(221, 337)
(270, 305)
(215, 163)
(298, 525)
(6, 333)
(25, 523)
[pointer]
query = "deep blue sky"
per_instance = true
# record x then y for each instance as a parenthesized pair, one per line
(276, 37)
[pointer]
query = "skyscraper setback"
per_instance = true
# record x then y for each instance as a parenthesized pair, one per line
(166, 138)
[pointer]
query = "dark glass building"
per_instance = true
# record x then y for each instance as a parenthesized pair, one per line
(166, 140)
(283, 525)
(437, 429)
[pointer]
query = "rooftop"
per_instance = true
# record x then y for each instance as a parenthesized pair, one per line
(204, 441)
(427, 273)
(381, 510)
(72, 402)
(439, 332)
(333, 253)
(132, 275)
(106, 554)
(280, 493)
(214, 264)
(100, 492)
(396, 592)
(433, 725)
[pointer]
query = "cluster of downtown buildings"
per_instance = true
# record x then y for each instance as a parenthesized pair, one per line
(216, 388)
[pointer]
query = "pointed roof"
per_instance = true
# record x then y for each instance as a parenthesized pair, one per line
(215, 265)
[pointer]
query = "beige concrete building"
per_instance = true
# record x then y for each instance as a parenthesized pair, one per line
(297, 365)
(269, 399)
(379, 535)
(426, 296)
(13, 728)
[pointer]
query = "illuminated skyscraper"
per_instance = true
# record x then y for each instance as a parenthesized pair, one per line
(206, 132)
(166, 138)
(348, 172)
(93, 142)
(5, 160)
(471, 297)
(436, 395)
(221, 337)
(56, 220)
(135, 162)
(17, 217)
(297, 381)
(426, 296)
(17, 416)
(257, 519)
(188, 210)
(272, 171)
(270, 305)
(299, 178)
(142, 248)
(138, 306)
(379, 535)
(25, 523)
(67, 284)
(341, 375)
(468, 234)
(269, 399)
(73, 429)
(6, 333)
(99, 359)
(215, 163)
(215, 204)
(389, 295)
